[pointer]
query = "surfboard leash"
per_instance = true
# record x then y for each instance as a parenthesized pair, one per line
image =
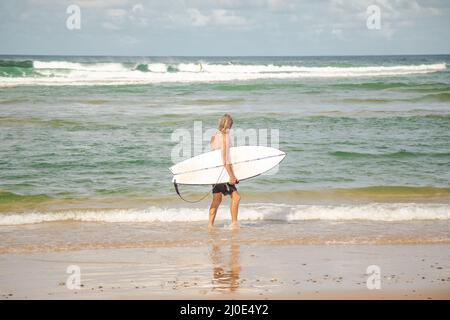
(175, 184)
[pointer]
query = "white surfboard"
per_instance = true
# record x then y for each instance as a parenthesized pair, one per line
(207, 168)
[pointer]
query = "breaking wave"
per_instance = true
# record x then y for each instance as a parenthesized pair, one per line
(256, 211)
(27, 72)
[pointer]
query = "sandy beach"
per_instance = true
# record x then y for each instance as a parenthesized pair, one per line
(224, 267)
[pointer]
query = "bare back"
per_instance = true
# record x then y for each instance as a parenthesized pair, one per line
(217, 143)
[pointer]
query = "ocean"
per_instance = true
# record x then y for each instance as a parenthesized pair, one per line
(91, 139)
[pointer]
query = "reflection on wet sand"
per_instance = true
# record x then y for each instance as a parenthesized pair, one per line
(226, 267)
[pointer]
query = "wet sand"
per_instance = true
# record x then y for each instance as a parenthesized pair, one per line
(231, 271)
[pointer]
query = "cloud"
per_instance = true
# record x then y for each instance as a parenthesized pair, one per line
(223, 17)
(211, 18)
(337, 33)
(241, 4)
(197, 18)
(117, 19)
(83, 3)
(395, 14)
(137, 8)
(227, 26)
(110, 26)
(390, 9)
(116, 13)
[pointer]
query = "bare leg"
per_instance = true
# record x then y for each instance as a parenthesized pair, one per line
(217, 199)
(235, 198)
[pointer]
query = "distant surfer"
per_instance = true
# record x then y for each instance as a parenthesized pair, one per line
(221, 140)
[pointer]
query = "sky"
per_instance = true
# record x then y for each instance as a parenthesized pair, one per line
(224, 27)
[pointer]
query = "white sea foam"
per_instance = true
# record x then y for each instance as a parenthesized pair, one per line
(157, 67)
(282, 212)
(72, 73)
(93, 67)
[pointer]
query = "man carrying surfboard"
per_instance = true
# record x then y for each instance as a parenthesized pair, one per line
(220, 167)
(221, 140)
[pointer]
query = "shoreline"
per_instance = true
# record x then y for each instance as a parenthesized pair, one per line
(70, 236)
(256, 211)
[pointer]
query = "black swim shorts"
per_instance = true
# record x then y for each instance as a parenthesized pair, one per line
(225, 188)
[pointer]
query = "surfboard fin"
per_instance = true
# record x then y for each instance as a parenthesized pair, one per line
(176, 188)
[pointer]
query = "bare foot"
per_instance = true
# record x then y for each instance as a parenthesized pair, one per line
(234, 225)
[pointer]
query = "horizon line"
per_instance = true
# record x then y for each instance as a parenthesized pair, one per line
(223, 56)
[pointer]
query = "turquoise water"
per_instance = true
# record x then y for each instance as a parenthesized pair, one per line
(83, 128)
